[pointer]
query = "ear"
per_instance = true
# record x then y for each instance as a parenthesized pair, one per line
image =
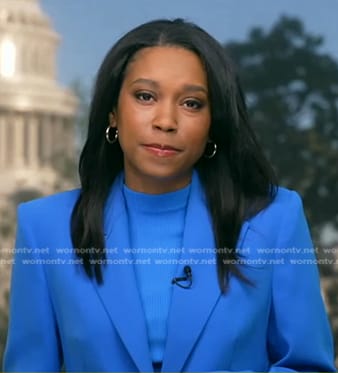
(112, 120)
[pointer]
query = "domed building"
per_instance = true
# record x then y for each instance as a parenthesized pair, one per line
(36, 119)
(36, 113)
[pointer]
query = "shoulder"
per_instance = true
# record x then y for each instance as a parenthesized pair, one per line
(56, 205)
(285, 198)
(285, 209)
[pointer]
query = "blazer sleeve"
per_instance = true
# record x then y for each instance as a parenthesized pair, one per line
(32, 341)
(299, 337)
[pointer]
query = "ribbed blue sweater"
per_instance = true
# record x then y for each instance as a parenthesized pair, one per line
(156, 224)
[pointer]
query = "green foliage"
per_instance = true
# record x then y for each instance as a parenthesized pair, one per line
(292, 92)
(292, 95)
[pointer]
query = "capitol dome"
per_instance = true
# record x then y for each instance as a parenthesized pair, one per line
(36, 112)
(37, 117)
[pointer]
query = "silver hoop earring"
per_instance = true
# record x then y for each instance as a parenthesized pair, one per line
(108, 137)
(213, 151)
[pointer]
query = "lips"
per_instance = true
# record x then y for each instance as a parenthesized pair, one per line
(162, 150)
(162, 147)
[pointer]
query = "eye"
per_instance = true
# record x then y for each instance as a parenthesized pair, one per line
(193, 104)
(144, 96)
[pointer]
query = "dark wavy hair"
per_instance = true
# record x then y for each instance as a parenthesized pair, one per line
(238, 180)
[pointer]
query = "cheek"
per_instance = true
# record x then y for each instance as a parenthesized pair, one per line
(198, 144)
(133, 125)
(201, 136)
(126, 142)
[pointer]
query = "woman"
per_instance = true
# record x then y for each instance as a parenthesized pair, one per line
(178, 251)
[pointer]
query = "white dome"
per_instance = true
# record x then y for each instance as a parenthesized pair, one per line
(28, 47)
(24, 12)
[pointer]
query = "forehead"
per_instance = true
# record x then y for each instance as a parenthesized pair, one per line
(166, 61)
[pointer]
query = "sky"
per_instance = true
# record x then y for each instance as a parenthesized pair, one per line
(88, 28)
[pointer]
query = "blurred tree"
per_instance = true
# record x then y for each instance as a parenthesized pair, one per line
(65, 165)
(83, 94)
(292, 95)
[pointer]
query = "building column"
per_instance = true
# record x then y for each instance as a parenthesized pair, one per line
(58, 146)
(47, 139)
(69, 136)
(19, 141)
(3, 137)
(33, 141)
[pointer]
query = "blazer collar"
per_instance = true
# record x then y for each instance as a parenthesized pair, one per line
(119, 294)
(190, 308)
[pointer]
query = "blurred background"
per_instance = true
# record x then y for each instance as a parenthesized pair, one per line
(287, 55)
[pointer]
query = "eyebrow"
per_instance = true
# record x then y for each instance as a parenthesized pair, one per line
(186, 87)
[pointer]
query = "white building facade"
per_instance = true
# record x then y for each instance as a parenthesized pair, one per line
(37, 115)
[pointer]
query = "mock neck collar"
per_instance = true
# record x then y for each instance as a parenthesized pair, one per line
(156, 203)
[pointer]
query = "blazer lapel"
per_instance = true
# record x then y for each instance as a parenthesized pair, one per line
(191, 307)
(119, 293)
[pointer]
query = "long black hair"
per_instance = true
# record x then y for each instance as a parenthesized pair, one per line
(238, 180)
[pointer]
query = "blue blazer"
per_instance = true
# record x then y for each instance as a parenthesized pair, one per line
(59, 316)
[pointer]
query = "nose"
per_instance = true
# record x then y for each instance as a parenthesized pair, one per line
(165, 118)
